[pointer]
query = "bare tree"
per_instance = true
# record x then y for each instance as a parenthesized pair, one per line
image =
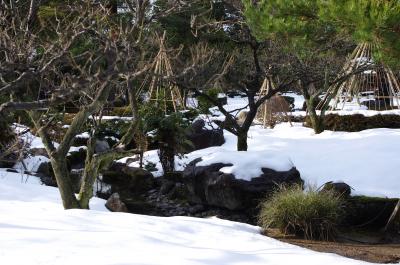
(82, 55)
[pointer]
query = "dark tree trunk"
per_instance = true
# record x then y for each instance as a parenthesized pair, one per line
(167, 158)
(242, 140)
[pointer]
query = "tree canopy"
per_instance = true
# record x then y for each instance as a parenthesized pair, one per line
(372, 21)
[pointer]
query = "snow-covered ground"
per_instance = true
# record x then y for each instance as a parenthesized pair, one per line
(367, 160)
(36, 231)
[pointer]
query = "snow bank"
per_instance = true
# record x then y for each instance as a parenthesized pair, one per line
(247, 165)
(36, 231)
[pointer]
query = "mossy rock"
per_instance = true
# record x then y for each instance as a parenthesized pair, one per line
(369, 212)
(358, 122)
(128, 180)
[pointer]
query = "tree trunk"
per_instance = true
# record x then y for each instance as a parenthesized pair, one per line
(317, 122)
(242, 140)
(89, 175)
(167, 158)
(64, 183)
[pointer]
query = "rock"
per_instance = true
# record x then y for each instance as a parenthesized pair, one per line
(76, 159)
(46, 175)
(128, 180)
(38, 152)
(101, 146)
(80, 141)
(207, 185)
(341, 188)
(368, 212)
(235, 93)
(166, 186)
(115, 204)
(223, 100)
(196, 209)
(202, 137)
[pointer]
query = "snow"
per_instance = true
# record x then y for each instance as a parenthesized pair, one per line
(84, 135)
(76, 149)
(247, 165)
(35, 230)
(367, 160)
(298, 99)
(32, 163)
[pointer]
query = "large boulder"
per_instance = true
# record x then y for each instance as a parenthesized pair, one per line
(207, 185)
(202, 137)
(127, 180)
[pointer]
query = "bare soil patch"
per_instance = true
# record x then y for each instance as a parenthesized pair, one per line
(366, 246)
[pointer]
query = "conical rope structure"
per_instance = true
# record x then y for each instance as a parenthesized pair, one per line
(376, 88)
(274, 109)
(161, 90)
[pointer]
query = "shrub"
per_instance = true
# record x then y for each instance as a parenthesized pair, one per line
(311, 214)
(204, 104)
(168, 131)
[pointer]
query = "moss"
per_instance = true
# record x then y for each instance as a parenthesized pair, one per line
(368, 212)
(358, 122)
(364, 199)
(122, 111)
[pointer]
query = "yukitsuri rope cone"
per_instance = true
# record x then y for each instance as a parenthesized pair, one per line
(163, 92)
(375, 89)
(274, 110)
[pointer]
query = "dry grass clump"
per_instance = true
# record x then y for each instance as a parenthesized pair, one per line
(311, 214)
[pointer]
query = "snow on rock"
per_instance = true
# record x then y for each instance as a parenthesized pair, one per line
(84, 135)
(367, 160)
(35, 230)
(247, 165)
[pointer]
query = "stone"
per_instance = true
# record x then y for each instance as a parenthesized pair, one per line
(166, 186)
(46, 175)
(76, 159)
(201, 137)
(340, 188)
(223, 100)
(128, 180)
(207, 185)
(38, 152)
(115, 204)
(101, 146)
